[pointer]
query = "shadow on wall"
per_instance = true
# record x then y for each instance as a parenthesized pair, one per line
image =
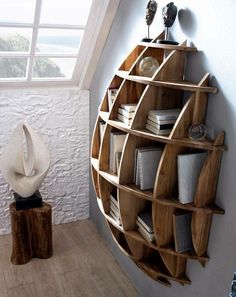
(187, 21)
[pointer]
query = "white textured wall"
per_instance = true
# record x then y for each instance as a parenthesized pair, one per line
(61, 117)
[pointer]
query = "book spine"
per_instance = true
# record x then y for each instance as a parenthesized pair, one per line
(126, 113)
(156, 131)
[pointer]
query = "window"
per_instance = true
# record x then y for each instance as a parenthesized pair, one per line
(40, 39)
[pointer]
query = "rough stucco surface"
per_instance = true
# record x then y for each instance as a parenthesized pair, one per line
(61, 117)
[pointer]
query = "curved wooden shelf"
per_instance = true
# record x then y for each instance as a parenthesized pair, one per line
(179, 85)
(164, 90)
(204, 144)
(136, 235)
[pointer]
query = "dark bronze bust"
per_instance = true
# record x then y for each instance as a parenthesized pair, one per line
(150, 14)
(151, 11)
(169, 13)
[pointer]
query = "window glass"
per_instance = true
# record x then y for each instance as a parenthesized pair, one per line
(53, 67)
(15, 39)
(17, 11)
(69, 12)
(13, 67)
(58, 41)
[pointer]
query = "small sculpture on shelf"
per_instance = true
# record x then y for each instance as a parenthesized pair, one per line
(148, 66)
(169, 13)
(150, 14)
(197, 131)
(24, 165)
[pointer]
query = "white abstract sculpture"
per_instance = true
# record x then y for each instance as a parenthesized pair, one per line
(25, 162)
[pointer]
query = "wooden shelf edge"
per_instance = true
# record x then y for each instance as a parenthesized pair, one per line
(190, 206)
(179, 85)
(168, 46)
(203, 144)
(104, 115)
(135, 235)
(95, 163)
(182, 280)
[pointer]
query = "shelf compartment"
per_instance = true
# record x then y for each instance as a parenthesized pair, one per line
(129, 209)
(120, 240)
(130, 92)
(126, 173)
(105, 189)
(157, 54)
(139, 251)
(104, 155)
(155, 267)
(116, 83)
(132, 57)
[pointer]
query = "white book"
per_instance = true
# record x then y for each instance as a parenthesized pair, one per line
(189, 169)
(148, 236)
(160, 122)
(124, 119)
(158, 126)
(114, 209)
(182, 231)
(101, 129)
(111, 95)
(156, 131)
(115, 218)
(165, 114)
(129, 106)
(126, 113)
(147, 161)
(117, 140)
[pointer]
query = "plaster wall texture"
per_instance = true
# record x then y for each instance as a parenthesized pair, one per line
(209, 25)
(61, 118)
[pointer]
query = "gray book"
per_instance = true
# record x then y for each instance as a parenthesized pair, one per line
(189, 169)
(182, 231)
(147, 235)
(147, 162)
(145, 219)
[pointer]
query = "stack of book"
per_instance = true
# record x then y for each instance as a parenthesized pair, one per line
(161, 122)
(114, 208)
(145, 225)
(145, 166)
(126, 113)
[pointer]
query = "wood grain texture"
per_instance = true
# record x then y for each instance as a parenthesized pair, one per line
(129, 206)
(201, 224)
(208, 179)
(175, 265)
(76, 268)
(162, 224)
(138, 250)
(31, 233)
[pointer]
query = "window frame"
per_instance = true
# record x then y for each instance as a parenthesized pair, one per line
(35, 26)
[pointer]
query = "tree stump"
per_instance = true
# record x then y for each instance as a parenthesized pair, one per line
(31, 233)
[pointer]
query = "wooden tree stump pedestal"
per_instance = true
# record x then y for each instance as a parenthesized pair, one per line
(31, 233)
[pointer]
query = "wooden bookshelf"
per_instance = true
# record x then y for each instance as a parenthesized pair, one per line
(166, 89)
